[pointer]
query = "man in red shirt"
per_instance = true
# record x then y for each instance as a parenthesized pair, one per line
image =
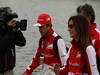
(88, 11)
(46, 54)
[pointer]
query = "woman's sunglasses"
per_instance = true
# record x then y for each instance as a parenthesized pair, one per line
(70, 26)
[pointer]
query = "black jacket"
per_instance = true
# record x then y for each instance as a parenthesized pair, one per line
(8, 39)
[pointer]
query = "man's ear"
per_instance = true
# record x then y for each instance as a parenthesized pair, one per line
(88, 18)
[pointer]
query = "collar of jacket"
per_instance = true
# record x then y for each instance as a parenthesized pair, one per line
(44, 39)
(92, 26)
(93, 33)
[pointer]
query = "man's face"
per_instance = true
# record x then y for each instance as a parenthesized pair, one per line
(72, 30)
(43, 30)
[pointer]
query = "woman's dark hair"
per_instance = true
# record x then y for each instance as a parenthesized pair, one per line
(81, 26)
(88, 11)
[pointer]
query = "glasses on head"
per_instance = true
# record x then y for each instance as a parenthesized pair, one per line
(70, 26)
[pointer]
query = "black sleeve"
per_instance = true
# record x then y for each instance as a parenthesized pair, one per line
(19, 38)
(9, 38)
(5, 39)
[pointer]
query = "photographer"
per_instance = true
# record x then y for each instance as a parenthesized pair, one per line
(10, 35)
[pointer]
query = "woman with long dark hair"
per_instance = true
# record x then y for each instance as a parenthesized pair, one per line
(81, 56)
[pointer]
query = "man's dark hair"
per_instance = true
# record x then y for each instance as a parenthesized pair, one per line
(4, 9)
(78, 9)
(88, 11)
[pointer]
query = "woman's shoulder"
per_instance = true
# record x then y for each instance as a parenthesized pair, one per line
(90, 49)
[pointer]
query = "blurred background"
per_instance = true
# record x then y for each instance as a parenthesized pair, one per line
(59, 10)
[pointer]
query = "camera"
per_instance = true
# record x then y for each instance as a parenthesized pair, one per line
(6, 15)
(22, 24)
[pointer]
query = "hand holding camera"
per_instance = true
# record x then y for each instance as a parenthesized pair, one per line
(12, 23)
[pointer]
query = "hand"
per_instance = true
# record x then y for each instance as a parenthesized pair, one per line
(12, 23)
(56, 69)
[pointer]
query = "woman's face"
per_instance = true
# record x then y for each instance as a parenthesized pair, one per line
(72, 30)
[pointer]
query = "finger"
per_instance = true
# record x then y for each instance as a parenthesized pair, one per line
(12, 23)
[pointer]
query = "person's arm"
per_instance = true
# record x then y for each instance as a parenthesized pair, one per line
(91, 54)
(97, 46)
(62, 51)
(35, 63)
(60, 71)
(63, 70)
(19, 38)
